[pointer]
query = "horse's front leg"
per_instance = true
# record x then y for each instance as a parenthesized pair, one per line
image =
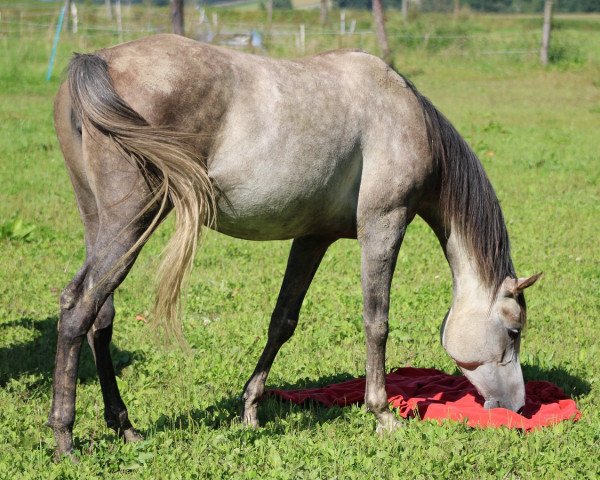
(99, 338)
(305, 256)
(380, 238)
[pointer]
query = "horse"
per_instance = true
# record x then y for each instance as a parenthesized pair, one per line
(335, 145)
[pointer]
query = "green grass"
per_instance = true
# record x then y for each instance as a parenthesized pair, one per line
(536, 131)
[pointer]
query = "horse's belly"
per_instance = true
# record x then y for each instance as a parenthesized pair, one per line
(289, 205)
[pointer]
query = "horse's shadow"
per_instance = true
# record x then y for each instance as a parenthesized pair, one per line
(277, 414)
(36, 356)
(273, 412)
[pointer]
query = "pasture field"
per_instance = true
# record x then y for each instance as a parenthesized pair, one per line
(536, 131)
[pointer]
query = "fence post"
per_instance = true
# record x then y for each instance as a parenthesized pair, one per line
(74, 17)
(302, 39)
(381, 33)
(108, 8)
(324, 11)
(546, 32)
(269, 13)
(343, 22)
(119, 19)
(67, 14)
(177, 16)
(405, 10)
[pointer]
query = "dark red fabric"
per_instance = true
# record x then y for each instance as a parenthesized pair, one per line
(429, 393)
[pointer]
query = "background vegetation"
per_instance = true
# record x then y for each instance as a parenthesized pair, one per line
(536, 131)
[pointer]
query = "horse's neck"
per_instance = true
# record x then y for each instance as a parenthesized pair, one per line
(467, 282)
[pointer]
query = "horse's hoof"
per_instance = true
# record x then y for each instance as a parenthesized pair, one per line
(63, 437)
(68, 456)
(250, 418)
(131, 435)
(388, 423)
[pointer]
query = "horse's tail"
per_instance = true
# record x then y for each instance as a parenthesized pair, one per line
(467, 197)
(176, 175)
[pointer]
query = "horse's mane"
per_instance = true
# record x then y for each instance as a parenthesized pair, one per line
(467, 198)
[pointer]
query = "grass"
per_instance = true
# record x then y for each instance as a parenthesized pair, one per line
(536, 132)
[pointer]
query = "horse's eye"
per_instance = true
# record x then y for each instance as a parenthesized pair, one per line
(514, 333)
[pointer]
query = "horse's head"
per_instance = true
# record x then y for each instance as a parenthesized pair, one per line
(484, 341)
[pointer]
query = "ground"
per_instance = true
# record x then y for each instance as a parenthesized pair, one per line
(536, 131)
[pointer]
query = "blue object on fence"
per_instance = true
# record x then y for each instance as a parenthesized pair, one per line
(256, 39)
(61, 18)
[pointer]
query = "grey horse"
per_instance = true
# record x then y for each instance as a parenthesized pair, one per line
(336, 145)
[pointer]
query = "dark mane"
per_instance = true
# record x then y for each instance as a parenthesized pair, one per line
(467, 197)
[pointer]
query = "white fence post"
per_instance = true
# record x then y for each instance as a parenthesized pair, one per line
(74, 17)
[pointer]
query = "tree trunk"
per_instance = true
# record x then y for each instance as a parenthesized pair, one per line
(324, 11)
(456, 8)
(405, 10)
(546, 32)
(380, 27)
(269, 12)
(177, 16)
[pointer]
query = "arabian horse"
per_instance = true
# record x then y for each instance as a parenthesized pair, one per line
(336, 145)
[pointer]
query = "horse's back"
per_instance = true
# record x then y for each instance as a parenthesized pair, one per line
(287, 143)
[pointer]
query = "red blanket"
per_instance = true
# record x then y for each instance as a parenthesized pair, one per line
(429, 393)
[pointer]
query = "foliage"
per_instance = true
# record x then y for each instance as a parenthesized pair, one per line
(16, 229)
(497, 6)
(536, 132)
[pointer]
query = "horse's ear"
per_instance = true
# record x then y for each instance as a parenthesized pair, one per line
(523, 283)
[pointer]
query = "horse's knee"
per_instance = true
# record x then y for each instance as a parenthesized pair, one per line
(376, 330)
(282, 329)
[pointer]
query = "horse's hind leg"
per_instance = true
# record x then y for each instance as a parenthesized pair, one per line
(104, 274)
(111, 192)
(305, 256)
(99, 338)
(380, 236)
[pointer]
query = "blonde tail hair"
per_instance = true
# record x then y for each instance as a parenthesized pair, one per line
(177, 177)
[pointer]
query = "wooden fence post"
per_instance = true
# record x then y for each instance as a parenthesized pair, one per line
(456, 8)
(177, 16)
(108, 8)
(67, 5)
(324, 11)
(380, 28)
(119, 19)
(405, 10)
(269, 13)
(546, 32)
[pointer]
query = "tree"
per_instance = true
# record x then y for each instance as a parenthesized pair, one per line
(324, 11)
(177, 16)
(380, 27)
